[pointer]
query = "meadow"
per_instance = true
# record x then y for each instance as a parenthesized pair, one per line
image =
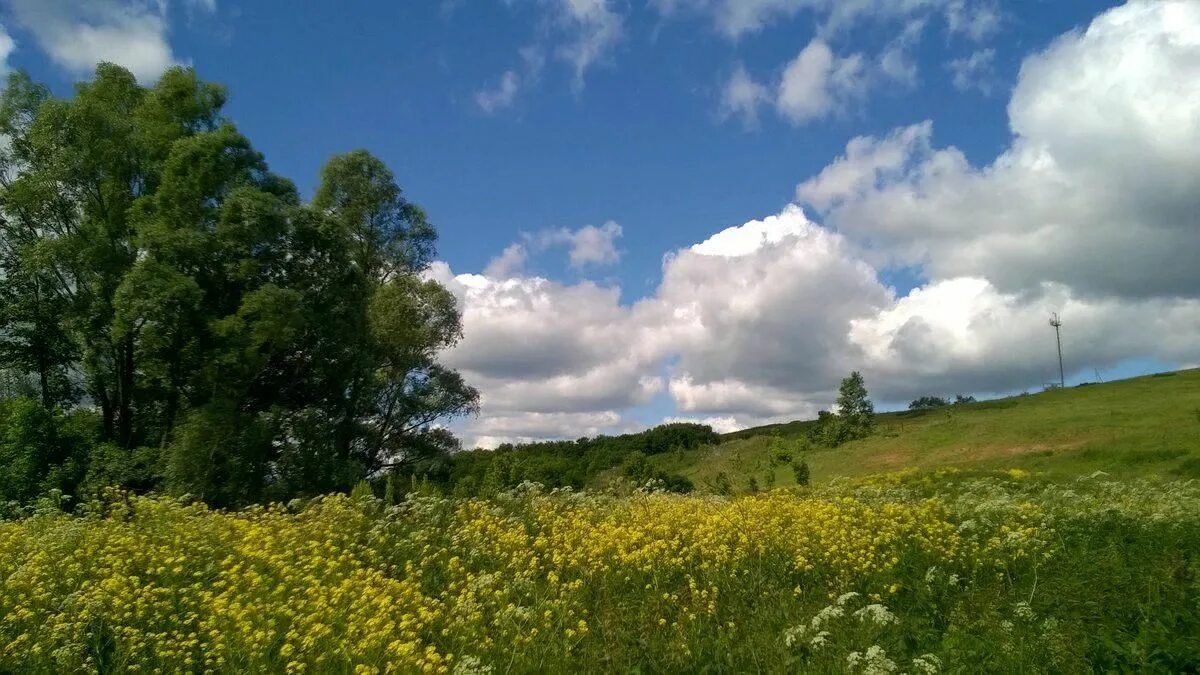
(1140, 427)
(916, 572)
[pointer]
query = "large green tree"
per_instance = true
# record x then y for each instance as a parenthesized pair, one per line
(155, 270)
(856, 413)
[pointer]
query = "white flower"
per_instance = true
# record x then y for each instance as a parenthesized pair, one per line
(471, 665)
(931, 574)
(819, 640)
(792, 635)
(874, 662)
(927, 664)
(826, 615)
(1023, 611)
(877, 614)
(846, 597)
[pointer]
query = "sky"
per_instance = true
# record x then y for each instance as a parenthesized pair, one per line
(713, 210)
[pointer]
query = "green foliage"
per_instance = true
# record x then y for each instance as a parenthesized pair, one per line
(362, 491)
(156, 270)
(800, 472)
(856, 413)
(928, 403)
(571, 463)
(641, 472)
(721, 484)
(42, 450)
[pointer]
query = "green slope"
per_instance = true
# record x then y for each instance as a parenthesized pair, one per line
(1141, 426)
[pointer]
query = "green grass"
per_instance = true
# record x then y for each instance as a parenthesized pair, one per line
(1138, 427)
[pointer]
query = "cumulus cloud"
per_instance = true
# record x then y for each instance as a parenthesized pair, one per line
(510, 262)
(500, 96)
(503, 93)
(736, 18)
(758, 315)
(587, 247)
(491, 431)
(1098, 191)
(7, 45)
(963, 334)
(896, 61)
(589, 29)
(1090, 212)
(741, 97)
(76, 35)
(817, 82)
(973, 71)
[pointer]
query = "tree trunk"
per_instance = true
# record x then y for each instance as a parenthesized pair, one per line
(125, 393)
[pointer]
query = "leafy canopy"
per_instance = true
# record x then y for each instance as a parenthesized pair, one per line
(233, 341)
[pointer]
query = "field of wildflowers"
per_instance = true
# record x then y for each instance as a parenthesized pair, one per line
(915, 573)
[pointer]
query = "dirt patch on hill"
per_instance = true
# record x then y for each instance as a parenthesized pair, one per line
(970, 454)
(889, 460)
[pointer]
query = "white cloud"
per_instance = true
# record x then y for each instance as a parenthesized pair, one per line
(502, 95)
(1092, 212)
(721, 425)
(512, 81)
(896, 61)
(817, 83)
(975, 20)
(742, 96)
(489, 431)
(736, 18)
(758, 315)
(7, 46)
(592, 27)
(589, 245)
(1098, 191)
(962, 334)
(510, 263)
(77, 34)
(974, 71)
(532, 344)
(866, 166)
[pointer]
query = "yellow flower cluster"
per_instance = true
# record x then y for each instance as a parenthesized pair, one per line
(439, 585)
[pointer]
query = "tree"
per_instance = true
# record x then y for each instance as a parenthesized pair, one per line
(237, 343)
(856, 413)
(928, 403)
(800, 471)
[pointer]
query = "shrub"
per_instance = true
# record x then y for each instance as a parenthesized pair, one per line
(928, 403)
(800, 471)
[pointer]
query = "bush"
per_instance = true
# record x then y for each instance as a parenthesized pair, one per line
(928, 403)
(800, 471)
(43, 450)
(641, 472)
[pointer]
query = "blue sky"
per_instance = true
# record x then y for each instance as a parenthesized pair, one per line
(621, 112)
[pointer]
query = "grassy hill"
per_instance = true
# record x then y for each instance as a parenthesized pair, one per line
(1145, 425)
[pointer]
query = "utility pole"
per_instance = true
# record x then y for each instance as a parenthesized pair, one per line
(1054, 321)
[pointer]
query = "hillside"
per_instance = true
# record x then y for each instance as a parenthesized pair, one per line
(1140, 426)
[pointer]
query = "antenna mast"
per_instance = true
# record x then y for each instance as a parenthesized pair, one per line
(1054, 321)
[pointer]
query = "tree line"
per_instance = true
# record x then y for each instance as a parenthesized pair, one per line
(174, 316)
(572, 463)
